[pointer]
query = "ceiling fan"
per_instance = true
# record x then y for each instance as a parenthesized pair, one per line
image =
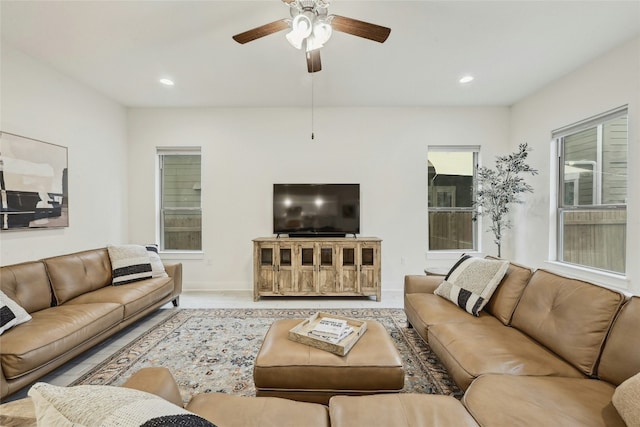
(311, 27)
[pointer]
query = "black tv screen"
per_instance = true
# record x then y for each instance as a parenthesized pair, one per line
(316, 209)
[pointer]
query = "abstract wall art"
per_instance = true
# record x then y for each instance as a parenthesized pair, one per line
(33, 184)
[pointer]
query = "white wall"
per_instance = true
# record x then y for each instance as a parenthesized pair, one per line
(40, 103)
(112, 165)
(245, 151)
(608, 82)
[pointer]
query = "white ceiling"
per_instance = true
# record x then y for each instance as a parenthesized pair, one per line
(122, 48)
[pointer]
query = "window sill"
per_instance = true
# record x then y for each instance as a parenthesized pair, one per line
(179, 255)
(603, 278)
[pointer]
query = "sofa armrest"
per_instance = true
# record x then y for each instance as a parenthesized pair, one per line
(21, 412)
(174, 270)
(416, 284)
(4, 387)
(158, 381)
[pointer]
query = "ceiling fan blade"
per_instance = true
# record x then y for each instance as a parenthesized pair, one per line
(313, 61)
(363, 29)
(261, 31)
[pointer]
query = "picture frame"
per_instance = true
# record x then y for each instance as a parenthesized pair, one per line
(33, 184)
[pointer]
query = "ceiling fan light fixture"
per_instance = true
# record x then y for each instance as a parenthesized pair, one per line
(312, 43)
(309, 28)
(303, 23)
(294, 39)
(301, 28)
(322, 31)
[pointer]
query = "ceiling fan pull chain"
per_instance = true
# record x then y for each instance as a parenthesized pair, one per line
(312, 107)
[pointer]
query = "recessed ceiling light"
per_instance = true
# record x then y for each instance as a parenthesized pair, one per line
(167, 82)
(466, 79)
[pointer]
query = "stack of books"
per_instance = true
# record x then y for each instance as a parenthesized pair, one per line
(331, 330)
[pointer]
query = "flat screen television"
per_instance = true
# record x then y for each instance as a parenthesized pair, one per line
(303, 210)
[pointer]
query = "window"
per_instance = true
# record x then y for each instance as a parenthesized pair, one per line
(179, 200)
(450, 195)
(592, 192)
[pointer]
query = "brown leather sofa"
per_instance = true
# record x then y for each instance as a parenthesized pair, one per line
(547, 349)
(73, 307)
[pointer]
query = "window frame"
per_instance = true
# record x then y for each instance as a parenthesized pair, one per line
(475, 150)
(558, 138)
(161, 152)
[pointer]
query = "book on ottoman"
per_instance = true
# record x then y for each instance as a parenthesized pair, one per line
(332, 333)
(331, 329)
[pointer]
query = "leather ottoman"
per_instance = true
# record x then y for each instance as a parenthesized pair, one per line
(284, 368)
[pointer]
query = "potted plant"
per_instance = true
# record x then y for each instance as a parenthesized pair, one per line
(500, 187)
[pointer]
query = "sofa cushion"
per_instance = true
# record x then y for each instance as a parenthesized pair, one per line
(398, 410)
(135, 296)
(471, 349)
(53, 332)
(228, 410)
(471, 282)
(506, 296)
(620, 357)
(510, 400)
(626, 400)
(157, 267)
(11, 314)
(568, 316)
(129, 263)
(424, 310)
(106, 406)
(27, 284)
(78, 273)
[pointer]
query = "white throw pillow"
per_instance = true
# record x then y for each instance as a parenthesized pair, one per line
(11, 314)
(471, 282)
(129, 263)
(107, 406)
(626, 400)
(157, 267)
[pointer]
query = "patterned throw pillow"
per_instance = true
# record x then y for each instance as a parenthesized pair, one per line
(471, 282)
(11, 314)
(107, 406)
(626, 400)
(157, 267)
(129, 263)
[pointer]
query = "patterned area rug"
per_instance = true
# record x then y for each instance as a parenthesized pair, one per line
(213, 350)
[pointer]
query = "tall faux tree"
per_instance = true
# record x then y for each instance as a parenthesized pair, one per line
(500, 187)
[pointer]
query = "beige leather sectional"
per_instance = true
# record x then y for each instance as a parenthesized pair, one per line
(73, 307)
(547, 349)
